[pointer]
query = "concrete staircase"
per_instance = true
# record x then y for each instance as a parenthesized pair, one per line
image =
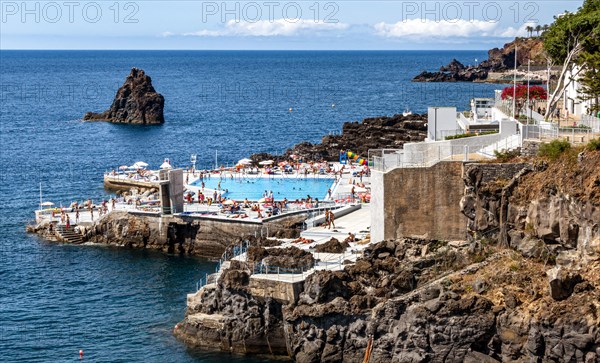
(68, 234)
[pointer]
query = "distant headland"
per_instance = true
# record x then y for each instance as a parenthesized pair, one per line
(491, 70)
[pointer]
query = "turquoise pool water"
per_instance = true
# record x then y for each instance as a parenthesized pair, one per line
(291, 188)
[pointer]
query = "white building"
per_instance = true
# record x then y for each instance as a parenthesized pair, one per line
(572, 96)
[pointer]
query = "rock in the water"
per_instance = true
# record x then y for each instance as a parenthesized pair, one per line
(136, 102)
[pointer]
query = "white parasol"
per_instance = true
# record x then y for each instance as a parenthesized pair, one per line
(140, 165)
(245, 161)
(166, 165)
(266, 162)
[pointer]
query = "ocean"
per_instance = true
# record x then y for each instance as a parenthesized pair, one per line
(118, 304)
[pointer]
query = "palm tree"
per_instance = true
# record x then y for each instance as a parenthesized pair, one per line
(545, 28)
(529, 30)
(538, 29)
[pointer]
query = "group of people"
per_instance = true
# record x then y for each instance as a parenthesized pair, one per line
(76, 208)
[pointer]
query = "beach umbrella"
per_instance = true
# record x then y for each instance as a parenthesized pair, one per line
(140, 164)
(47, 204)
(266, 162)
(244, 161)
(166, 165)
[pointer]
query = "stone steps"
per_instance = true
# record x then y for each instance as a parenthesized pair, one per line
(68, 234)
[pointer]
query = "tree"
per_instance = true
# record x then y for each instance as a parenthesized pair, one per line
(538, 29)
(545, 28)
(589, 79)
(566, 39)
(529, 30)
(535, 93)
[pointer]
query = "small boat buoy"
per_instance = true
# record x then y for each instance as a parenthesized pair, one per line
(291, 109)
(80, 353)
(333, 105)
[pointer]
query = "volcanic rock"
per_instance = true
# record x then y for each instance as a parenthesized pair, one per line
(383, 132)
(136, 102)
(499, 60)
(332, 246)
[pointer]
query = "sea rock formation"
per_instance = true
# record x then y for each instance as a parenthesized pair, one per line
(385, 132)
(499, 60)
(136, 102)
(455, 71)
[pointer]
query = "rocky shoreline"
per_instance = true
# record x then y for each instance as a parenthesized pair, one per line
(384, 132)
(524, 288)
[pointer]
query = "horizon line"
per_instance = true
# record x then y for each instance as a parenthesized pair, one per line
(250, 50)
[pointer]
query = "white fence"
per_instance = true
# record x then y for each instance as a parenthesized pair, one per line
(427, 157)
(590, 121)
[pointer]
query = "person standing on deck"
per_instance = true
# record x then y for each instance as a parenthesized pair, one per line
(68, 222)
(327, 223)
(113, 202)
(77, 215)
(331, 219)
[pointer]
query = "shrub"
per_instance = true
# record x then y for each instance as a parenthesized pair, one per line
(461, 136)
(554, 149)
(593, 145)
(504, 156)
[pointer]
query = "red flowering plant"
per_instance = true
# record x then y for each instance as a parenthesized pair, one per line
(535, 93)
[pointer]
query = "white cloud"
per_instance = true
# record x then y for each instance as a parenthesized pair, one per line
(266, 28)
(458, 28)
(426, 28)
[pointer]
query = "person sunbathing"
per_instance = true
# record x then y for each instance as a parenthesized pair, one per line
(351, 238)
(303, 240)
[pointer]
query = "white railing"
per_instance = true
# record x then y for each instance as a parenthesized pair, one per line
(591, 122)
(434, 153)
(509, 143)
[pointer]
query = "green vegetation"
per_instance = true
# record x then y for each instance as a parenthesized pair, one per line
(461, 136)
(573, 41)
(505, 156)
(554, 149)
(593, 145)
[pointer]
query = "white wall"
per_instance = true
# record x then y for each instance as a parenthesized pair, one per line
(377, 206)
(440, 119)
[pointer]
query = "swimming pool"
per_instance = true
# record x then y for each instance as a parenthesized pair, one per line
(291, 188)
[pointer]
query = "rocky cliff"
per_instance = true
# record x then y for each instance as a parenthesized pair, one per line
(499, 60)
(136, 102)
(385, 132)
(524, 289)
(174, 235)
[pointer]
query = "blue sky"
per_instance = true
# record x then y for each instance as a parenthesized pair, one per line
(260, 25)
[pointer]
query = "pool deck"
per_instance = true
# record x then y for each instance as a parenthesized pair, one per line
(341, 191)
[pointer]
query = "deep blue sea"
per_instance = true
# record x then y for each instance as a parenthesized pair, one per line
(120, 305)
